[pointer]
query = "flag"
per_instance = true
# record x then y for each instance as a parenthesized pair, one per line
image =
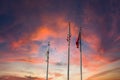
(78, 39)
(78, 43)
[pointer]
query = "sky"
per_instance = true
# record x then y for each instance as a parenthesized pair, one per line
(26, 27)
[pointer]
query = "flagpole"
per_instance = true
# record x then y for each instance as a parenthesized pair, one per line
(68, 39)
(80, 54)
(47, 61)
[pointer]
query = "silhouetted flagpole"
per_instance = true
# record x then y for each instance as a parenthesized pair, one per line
(80, 53)
(78, 42)
(47, 61)
(68, 39)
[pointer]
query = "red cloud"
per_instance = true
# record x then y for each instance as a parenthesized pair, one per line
(43, 33)
(57, 28)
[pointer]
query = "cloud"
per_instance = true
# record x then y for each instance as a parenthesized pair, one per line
(25, 23)
(56, 74)
(27, 48)
(33, 60)
(90, 61)
(7, 77)
(57, 28)
(111, 75)
(11, 78)
(60, 64)
(99, 34)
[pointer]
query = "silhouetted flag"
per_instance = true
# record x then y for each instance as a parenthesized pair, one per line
(78, 43)
(78, 39)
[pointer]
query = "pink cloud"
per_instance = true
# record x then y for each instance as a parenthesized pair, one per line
(57, 28)
(32, 60)
(44, 32)
(1, 40)
(93, 40)
(90, 61)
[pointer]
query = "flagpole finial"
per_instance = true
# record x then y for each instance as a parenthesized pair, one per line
(69, 32)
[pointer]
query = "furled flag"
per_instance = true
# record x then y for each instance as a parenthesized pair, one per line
(78, 39)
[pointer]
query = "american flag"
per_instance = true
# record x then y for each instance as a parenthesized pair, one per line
(78, 39)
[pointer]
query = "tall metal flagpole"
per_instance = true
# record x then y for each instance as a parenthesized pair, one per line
(68, 39)
(80, 53)
(47, 61)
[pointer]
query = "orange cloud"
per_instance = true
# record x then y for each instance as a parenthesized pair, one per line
(107, 75)
(21, 47)
(56, 74)
(6, 77)
(32, 60)
(90, 61)
(43, 33)
(12, 78)
(94, 62)
(57, 28)
(34, 48)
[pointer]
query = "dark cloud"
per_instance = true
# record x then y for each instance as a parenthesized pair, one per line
(20, 19)
(60, 64)
(101, 18)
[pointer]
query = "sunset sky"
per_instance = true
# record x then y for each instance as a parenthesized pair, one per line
(26, 26)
